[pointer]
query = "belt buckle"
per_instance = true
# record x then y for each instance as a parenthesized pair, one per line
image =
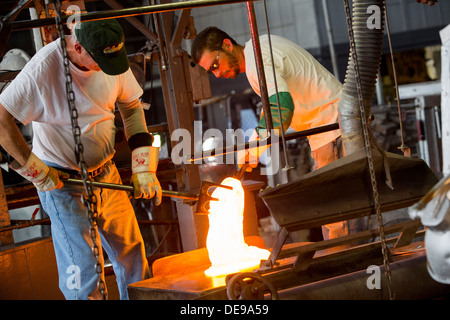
(97, 171)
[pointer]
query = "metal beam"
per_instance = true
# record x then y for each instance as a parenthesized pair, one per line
(174, 70)
(134, 21)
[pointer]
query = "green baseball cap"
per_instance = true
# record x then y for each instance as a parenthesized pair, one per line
(105, 40)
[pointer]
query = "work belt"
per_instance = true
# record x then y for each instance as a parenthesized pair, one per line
(94, 173)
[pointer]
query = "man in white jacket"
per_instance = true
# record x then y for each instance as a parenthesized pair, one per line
(101, 77)
(308, 93)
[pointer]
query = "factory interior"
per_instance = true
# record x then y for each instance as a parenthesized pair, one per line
(394, 181)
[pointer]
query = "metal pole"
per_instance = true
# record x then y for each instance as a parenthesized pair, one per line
(259, 65)
(268, 141)
(330, 38)
(406, 151)
(24, 224)
(122, 13)
(283, 136)
(120, 187)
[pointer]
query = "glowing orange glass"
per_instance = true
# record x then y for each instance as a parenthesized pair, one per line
(225, 243)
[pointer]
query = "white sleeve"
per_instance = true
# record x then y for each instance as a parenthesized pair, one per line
(252, 73)
(130, 90)
(18, 98)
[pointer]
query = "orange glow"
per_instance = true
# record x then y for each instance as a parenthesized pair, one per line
(227, 249)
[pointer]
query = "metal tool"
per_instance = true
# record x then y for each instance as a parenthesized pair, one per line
(239, 174)
(202, 199)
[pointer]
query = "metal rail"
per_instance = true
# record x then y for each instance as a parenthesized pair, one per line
(21, 224)
(121, 13)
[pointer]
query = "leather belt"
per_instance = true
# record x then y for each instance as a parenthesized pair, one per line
(94, 173)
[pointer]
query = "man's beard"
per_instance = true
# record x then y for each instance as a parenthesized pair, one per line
(233, 65)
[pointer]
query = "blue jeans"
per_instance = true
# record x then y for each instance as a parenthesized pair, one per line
(118, 233)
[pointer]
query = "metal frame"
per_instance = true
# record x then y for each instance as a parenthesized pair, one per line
(177, 91)
(427, 103)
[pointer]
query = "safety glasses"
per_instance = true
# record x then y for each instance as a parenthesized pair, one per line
(215, 64)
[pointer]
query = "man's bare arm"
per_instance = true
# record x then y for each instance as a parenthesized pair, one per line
(11, 138)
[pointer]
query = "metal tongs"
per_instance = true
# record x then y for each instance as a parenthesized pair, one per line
(240, 173)
(202, 199)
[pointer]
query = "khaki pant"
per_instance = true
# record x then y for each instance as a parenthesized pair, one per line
(323, 156)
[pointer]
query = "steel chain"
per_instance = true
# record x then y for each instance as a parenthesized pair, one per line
(367, 142)
(90, 201)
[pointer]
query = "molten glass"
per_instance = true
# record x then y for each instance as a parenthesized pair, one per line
(227, 249)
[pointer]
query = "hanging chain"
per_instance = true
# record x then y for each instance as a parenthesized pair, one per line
(90, 201)
(367, 141)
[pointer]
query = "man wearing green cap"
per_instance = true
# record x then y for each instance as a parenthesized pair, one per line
(101, 79)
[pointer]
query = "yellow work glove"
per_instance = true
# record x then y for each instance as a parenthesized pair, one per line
(144, 162)
(42, 176)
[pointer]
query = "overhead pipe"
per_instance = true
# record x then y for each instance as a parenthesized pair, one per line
(122, 13)
(369, 45)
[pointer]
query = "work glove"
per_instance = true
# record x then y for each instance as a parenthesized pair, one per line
(287, 107)
(144, 162)
(42, 176)
(252, 154)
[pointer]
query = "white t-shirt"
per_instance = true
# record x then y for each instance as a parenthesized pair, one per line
(38, 95)
(315, 91)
